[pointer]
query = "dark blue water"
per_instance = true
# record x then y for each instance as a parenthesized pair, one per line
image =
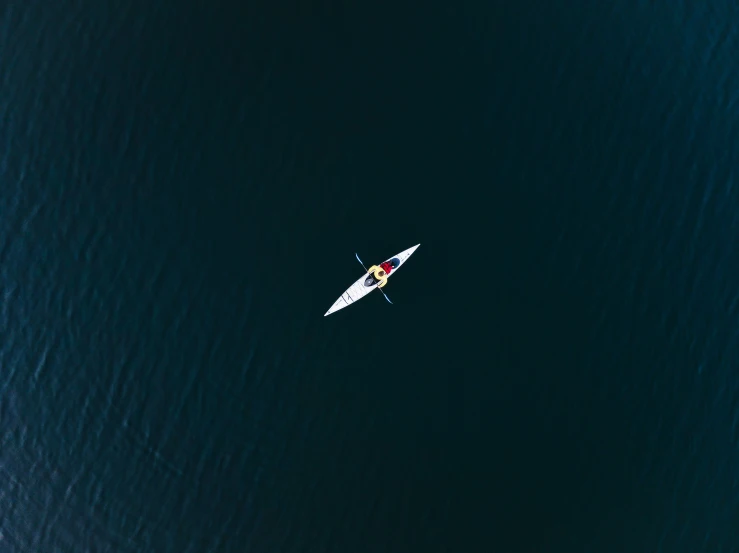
(182, 191)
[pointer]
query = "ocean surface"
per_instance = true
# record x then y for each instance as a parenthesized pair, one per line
(183, 188)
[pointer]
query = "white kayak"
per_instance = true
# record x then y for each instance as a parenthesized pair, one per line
(367, 282)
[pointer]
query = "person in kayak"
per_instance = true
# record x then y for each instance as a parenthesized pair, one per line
(381, 273)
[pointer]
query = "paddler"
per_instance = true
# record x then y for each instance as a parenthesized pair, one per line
(381, 273)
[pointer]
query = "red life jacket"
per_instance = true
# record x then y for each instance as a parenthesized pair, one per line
(386, 267)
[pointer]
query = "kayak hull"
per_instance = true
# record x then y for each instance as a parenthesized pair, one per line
(360, 289)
